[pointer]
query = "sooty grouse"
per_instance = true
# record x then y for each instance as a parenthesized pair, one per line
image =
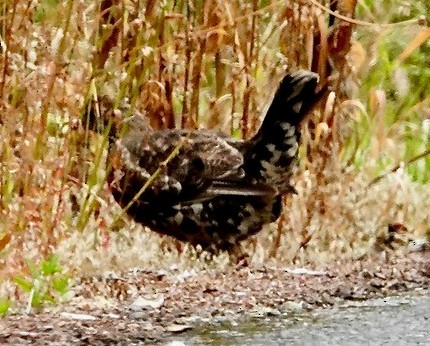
(203, 187)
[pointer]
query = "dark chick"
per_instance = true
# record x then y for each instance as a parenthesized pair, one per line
(213, 190)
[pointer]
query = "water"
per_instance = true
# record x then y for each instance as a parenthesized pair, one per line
(403, 320)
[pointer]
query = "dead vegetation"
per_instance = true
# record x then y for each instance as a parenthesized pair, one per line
(202, 64)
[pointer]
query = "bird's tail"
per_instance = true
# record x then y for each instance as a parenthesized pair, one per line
(271, 155)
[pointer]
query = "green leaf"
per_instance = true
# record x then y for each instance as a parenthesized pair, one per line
(61, 285)
(50, 266)
(23, 283)
(36, 299)
(47, 297)
(4, 306)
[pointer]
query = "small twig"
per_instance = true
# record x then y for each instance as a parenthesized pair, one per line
(362, 22)
(396, 167)
(303, 244)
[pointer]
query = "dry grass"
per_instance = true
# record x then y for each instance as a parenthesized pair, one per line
(191, 64)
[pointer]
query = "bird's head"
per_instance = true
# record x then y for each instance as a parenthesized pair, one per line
(105, 116)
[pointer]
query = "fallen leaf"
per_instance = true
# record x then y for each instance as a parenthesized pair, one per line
(304, 271)
(178, 328)
(80, 317)
(142, 303)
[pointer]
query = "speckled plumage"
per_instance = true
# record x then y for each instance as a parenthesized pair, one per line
(216, 191)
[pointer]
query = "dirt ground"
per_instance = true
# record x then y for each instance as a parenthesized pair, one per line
(144, 307)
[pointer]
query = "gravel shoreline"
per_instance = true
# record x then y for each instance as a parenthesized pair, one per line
(144, 306)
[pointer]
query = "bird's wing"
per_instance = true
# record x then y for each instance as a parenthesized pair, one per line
(222, 161)
(223, 169)
(182, 165)
(188, 151)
